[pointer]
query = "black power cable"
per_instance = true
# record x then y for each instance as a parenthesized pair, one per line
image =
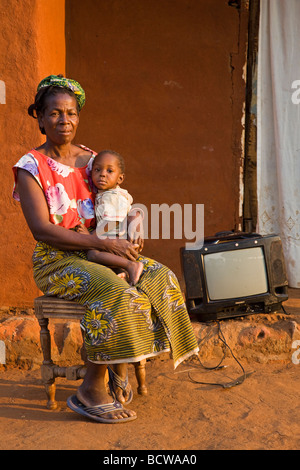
(233, 383)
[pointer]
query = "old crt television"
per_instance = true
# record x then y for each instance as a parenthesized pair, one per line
(234, 274)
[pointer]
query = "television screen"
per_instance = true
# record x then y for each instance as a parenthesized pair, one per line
(235, 275)
(238, 273)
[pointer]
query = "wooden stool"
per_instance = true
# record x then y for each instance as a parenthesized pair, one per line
(52, 307)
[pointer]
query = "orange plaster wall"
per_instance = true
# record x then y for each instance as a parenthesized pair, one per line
(32, 45)
(165, 88)
(51, 37)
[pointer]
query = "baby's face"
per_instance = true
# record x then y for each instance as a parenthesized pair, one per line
(106, 172)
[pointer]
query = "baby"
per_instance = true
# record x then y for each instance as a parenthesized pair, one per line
(112, 205)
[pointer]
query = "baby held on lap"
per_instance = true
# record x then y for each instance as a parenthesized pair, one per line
(112, 205)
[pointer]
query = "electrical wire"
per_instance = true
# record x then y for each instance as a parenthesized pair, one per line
(233, 383)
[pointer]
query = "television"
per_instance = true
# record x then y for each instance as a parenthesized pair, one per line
(234, 274)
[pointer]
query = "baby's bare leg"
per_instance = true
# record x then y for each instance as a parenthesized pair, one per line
(134, 268)
(91, 254)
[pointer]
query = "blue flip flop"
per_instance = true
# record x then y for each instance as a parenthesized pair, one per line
(95, 412)
(116, 381)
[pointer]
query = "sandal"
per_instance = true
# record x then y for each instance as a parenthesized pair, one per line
(95, 412)
(116, 381)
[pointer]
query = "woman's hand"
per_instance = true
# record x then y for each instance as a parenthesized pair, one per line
(126, 249)
(118, 246)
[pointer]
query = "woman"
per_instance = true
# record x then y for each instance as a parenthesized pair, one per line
(122, 323)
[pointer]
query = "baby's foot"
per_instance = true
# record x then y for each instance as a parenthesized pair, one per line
(122, 274)
(135, 269)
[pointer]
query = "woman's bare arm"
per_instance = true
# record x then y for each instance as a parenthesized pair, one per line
(36, 213)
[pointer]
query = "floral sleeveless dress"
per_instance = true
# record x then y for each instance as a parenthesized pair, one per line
(122, 323)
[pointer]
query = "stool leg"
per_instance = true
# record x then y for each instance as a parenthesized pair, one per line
(50, 392)
(140, 373)
(47, 368)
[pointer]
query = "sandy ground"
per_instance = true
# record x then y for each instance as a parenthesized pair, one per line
(261, 413)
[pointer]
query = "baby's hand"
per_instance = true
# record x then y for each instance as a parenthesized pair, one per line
(82, 229)
(139, 244)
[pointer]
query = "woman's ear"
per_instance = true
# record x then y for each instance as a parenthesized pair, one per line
(41, 122)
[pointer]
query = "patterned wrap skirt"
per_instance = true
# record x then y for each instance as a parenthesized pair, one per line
(122, 323)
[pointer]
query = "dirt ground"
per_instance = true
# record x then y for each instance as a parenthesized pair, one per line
(261, 413)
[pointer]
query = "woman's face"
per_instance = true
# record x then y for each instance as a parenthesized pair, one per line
(60, 118)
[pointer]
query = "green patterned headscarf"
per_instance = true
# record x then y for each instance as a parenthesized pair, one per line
(55, 80)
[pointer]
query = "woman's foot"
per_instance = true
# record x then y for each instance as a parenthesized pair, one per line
(92, 392)
(112, 413)
(121, 394)
(90, 401)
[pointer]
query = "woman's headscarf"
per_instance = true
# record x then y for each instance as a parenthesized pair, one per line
(55, 80)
